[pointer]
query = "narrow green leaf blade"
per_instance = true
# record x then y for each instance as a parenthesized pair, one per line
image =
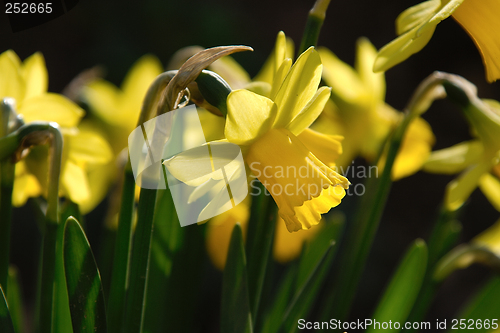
(302, 300)
(482, 310)
(14, 299)
(235, 307)
(83, 281)
(5, 320)
(400, 295)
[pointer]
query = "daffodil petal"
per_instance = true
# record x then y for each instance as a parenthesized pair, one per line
(490, 186)
(403, 47)
(288, 246)
(219, 233)
(51, 107)
(89, 147)
(136, 83)
(197, 165)
(299, 87)
(249, 116)
(99, 179)
(480, 20)
(374, 82)
(345, 82)
(75, 183)
(327, 148)
(490, 238)
(461, 188)
(279, 76)
(455, 158)
(25, 186)
(35, 75)
(416, 15)
(11, 81)
(310, 112)
(283, 49)
(415, 149)
(103, 97)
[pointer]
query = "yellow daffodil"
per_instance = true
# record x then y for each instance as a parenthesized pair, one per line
(275, 139)
(26, 82)
(359, 113)
(478, 159)
(415, 27)
(286, 246)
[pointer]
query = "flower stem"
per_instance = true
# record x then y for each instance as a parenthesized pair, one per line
(313, 25)
(119, 275)
(6, 187)
(360, 236)
(260, 237)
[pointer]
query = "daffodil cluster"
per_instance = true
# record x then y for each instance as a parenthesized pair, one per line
(84, 150)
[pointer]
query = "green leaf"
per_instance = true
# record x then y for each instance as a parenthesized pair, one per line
(5, 320)
(83, 281)
(121, 258)
(235, 307)
(260, 236)
(176, 272)
(484, 306)
(305, 295)
(273, 319)
(133, 318)
(400, 295)
(14, 299)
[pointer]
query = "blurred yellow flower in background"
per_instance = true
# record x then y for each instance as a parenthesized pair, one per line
(26, 82)
(415, 27)
(360, 114)
(477, 159)
(286, 246)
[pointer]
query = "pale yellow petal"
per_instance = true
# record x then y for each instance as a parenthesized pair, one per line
(219, 232)
(403, 47)
(461, 188)
(374, 83)
(75, 183)
(288, 245)
(26, 185)
(455, 158)
(327, 148)
(416, 15)
(35, 75)
(136, 83)
(90, 147)
(274, 61)
(279, 77)
(51, 107)
(490, 186)
(490, 238)
(345, 82)
(11, 81)
(415, 149)
(249, 116)
(310, 112)
(299, 87)
(103, 98)
(99, 177)
(480, 19)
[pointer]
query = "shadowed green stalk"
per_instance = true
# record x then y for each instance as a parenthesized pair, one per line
(314, 23)
(260, 237)
(123, 245)
(48, 309)
(443, 237)
(6, 185)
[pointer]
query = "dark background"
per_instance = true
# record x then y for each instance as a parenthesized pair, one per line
(116, 33)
